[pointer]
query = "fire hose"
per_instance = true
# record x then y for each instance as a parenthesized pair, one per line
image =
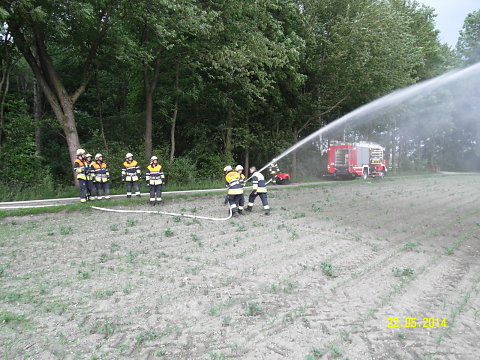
(164, 213)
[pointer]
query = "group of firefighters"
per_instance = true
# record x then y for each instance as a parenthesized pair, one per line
(94, 177)
(235, 181)
(94, 181)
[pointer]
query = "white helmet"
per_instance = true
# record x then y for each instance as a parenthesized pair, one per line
(227, 168)
(238, 167)
(153, 158)
(89, 155)
(98, 156)
(128, 155)
(80, 152)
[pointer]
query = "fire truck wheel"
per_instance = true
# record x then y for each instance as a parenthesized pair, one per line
(382, 173)
(365, 174)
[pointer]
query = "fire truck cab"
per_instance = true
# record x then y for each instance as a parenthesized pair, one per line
(351, 160)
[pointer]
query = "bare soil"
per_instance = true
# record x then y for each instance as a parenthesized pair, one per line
(317, 279)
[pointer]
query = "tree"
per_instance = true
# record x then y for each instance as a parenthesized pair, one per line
(252, 42)
(76, 28)
(468, 44)
(158, 31)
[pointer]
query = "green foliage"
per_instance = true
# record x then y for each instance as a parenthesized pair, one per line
(468, 44)
(243, 78)
(401, 272)
(20, 165)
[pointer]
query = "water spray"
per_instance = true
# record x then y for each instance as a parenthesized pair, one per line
(410, 95)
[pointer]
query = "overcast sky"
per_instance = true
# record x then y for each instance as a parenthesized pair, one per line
(450, 16)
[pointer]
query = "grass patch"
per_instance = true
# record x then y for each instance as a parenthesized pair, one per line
(401, 272)
(253, 309)
(12, 319)
(105, 327)
(327, 269)
(315, 354)
(66, 230)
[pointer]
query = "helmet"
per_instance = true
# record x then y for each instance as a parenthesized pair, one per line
(128, 155)
(239, 167)
(98, 156)
(89, 155)
(80, 152)
(227, 168)
(153, 158)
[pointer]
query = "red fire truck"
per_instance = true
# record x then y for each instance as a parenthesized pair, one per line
(358, 159)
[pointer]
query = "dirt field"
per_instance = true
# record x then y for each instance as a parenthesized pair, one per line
(318, 279)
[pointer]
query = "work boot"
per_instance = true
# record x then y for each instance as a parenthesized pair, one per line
(129, 196)
(267, 212)
(138, 196)
(240, 212)
(158, 202)
(249, 208)
(235, 214)
(152, 203)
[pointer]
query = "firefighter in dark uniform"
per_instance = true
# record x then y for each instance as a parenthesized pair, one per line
(273, 170)
(79, 167)
(131, 175)
(241, 203)
(235, 189)
(258, 189)
(102, 177)
(90, 174)
(155, 179)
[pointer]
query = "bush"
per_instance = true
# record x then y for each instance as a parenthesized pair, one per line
(20, 164)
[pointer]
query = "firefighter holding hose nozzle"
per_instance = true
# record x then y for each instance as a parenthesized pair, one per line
(259, 189)
(241, 203)
(235, 189)
(273, 170)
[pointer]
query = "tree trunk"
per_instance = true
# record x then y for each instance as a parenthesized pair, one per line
(100, 115)
(4, 86)
(37, 116)
(150, 82)
(247, 162)
(148, 123)
(175, 113)
(229, 130)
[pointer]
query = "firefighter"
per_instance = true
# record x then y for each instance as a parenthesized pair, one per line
(273, 170)
(241, 203)
(235, 189)
(155, 179)
(79, 167)
(89, 173)
(102, 177)
(259, 189)
(226, 170)
(131, 175)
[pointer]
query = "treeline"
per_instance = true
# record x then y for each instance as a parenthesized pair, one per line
(199, 83)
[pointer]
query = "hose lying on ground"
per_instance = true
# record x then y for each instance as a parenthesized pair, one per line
(165, 213)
